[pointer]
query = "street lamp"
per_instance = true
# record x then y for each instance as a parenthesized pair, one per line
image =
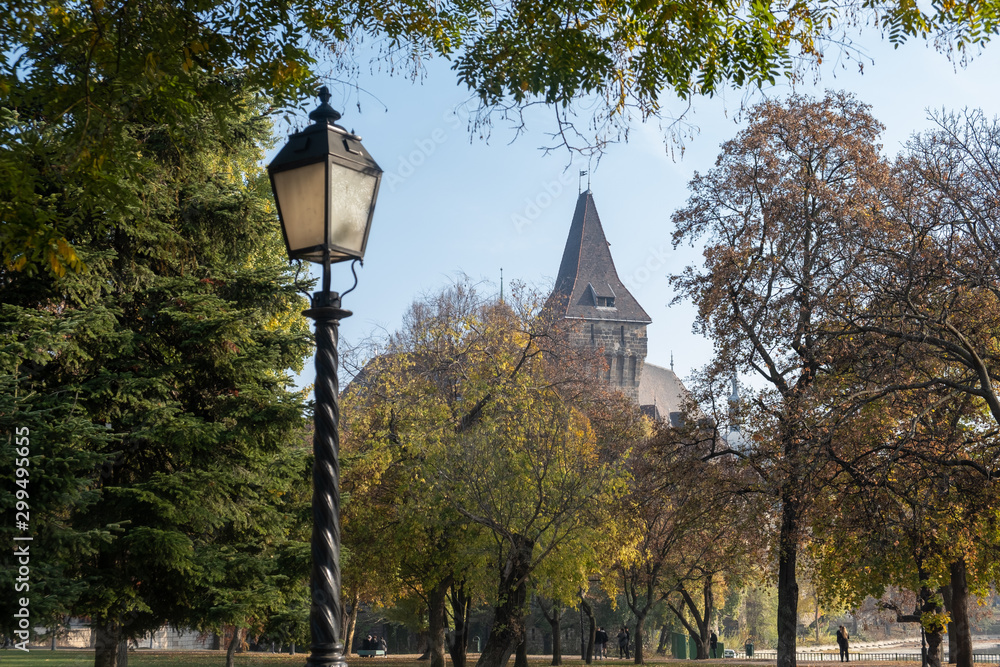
(325, 184)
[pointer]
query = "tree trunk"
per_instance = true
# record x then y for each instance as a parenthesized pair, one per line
(705, 623)
(556, 642)
(702, 621)
(661, 648)
(588, 654)
(521, 658)
(928, 605)
(961, 652)
(437, 598)
(554, 616)
(106, 644)
(788, 587)
(461, 605)
(640, 622)
(816, 598)
(234, 644)
(934, 649)
(351, 622)
(424, 646)
(121, 659)
(949, 605)
(508, 616)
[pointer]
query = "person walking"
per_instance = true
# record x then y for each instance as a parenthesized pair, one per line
(713, 643)
(600, 643)
(842, 642)
(623, 644)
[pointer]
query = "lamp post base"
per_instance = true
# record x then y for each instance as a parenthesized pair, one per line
(333, 657)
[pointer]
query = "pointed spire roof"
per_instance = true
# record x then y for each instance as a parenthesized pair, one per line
(588, 286)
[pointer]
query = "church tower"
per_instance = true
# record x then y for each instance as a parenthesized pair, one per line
(605, 316)
(589, 292)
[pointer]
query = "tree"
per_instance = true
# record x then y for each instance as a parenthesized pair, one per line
(932, 292)
(927, 318)
(786, 213)
(693, 521)
(620, 57)
(66, 64)
(662, 508)
(897, 519)
(78, 80)
(173, 347)
(480, 405)
(256, 565)
(537, 484)
(899, 515)
(397, 431)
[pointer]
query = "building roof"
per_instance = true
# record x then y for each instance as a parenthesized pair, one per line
(588, 286)
(661, 393)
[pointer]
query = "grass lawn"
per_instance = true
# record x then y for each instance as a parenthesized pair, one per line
(81, 658)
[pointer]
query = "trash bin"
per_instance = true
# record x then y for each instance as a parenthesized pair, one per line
(749, 649)
(679, 645)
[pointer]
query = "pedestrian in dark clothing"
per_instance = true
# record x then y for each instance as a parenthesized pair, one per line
(623, 644)
(713, 643)
(600, 643)
(842, 638)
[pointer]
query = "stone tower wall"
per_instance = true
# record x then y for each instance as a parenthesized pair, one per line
(624, 345)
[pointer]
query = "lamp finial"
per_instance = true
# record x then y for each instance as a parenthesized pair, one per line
(324, 111)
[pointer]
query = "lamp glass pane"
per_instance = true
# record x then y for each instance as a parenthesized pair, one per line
(351, 194)
(301, 195)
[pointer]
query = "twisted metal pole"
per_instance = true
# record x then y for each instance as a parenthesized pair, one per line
(325, 613)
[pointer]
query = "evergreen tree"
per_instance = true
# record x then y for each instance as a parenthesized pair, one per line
(154, 377)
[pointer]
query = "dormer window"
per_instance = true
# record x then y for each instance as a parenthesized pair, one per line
(603, 295)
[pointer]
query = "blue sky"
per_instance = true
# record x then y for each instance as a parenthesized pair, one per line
(452, 203)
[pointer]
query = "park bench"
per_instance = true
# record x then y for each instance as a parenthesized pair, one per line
(370, 652)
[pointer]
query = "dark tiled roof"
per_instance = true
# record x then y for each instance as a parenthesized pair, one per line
(587, 273)
(660, 387)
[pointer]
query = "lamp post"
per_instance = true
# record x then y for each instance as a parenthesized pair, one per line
(325, 184)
